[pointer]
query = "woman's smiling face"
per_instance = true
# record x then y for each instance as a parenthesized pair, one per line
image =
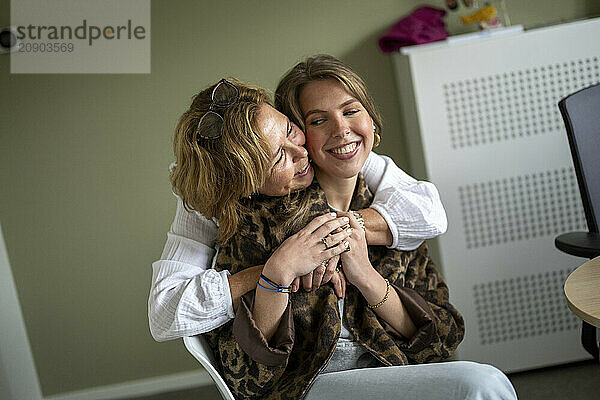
(339, 130)
(290, 170)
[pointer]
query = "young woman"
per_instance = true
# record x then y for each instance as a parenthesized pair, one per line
(396, 311)
(187, 296)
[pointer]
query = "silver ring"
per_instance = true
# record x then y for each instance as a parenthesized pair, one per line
(324, 240)
(324, 263)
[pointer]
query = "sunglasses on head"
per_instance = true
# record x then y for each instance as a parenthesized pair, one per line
(210, 126)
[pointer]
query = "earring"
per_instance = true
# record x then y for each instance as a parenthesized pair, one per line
(377, 139)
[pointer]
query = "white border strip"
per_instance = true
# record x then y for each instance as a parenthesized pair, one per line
(141, 387)
(18, 377)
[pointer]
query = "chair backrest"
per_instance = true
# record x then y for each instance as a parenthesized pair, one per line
(199, 348)
(581, 113)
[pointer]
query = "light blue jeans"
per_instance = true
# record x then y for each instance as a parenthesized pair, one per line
(452, 380)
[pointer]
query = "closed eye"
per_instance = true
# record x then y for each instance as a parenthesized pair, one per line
(351, 112)
(290, 129)
(317, 122)
(281, 153)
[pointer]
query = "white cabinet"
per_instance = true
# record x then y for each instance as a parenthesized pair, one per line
(482, 123)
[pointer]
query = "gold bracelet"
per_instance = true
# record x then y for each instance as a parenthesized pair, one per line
(360, 219)
(387, 294)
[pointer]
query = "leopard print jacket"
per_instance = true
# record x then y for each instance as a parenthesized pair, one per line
(286, 367)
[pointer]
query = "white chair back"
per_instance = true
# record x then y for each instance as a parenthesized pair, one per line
(199, 348)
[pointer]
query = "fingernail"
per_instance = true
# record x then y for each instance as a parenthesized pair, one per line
(346, 219)
(349, 230)
(334, 214)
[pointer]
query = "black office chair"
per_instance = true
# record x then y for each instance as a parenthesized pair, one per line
(581, 113)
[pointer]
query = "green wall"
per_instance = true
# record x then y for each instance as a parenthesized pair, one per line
(85, 197)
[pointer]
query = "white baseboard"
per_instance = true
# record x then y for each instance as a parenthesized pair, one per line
(141, 387)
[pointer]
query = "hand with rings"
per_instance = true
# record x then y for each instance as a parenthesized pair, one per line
(336, 236)
(307, 250)
(356, 261)
(324, 273)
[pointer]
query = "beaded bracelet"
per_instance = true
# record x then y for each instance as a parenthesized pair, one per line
(272, 286)
(360, 219)
(387, 294)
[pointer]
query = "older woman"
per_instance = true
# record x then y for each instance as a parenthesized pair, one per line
(188, 297)
(396, 312)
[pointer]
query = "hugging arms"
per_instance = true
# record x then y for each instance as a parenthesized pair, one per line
(247, 173)
(189, 297)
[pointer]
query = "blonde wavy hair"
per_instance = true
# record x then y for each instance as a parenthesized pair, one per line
(321, 67)
(214, 176)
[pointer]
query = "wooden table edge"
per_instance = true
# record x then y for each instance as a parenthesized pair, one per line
(590, 319)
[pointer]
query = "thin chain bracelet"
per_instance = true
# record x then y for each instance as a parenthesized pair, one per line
(360, 219)
(387, 294)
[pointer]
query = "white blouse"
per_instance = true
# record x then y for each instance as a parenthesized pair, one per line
(188, 297)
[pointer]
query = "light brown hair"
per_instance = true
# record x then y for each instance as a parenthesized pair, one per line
(315, 68)
(213, 176)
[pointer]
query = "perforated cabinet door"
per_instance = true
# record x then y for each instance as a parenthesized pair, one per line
(482, 123)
